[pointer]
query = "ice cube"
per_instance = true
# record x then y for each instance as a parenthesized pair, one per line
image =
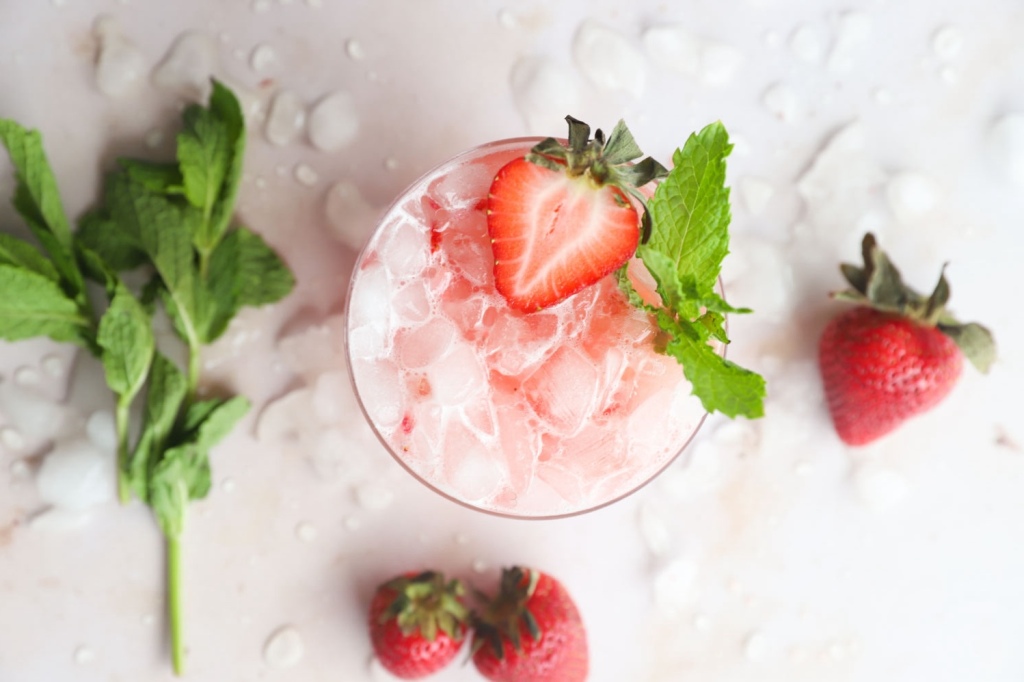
(102, 431)
(404, 251)
(368, 313)
(1006, 146)
(350, 216)
(674, 47)
(426, 344)
(879, 488)
(608, 59)
(286, 118)
(316, 347)
(457, 376)
(76, 476)
(411, 304)
(520, 446)
(911, 195)
(333, 121)
(336, 454)
(186, 68)
(654, 529)
(120, 64)
(461, 187)
(470, 468)
(379, 385)
(807, 43)
(563, 390)
(517, 342)
(33, 415)
(673, 585)
(543, 91)
(852, 36)
(719, 63)
(332, 398)
(282, 419)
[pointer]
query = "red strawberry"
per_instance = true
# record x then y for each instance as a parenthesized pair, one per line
(530, 632)
(418, 623)
(560, 219)
(895, 356)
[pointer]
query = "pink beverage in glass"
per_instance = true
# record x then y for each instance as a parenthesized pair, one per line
(539, 415)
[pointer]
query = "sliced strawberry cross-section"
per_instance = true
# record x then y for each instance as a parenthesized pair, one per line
(561, 218)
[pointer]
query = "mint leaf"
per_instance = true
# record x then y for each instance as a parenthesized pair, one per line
(32, 305)
(163, 228)
(37, 200)
(101, 234)
(14, 251)
(167, 388)
(689, 239)
(126, 339)
(721, 385)
(210, 154)
(212, 420)
(162, 178)
(243, 271)
(182, 475)
(690, 216)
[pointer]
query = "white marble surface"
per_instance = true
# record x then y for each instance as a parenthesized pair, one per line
(769, 552)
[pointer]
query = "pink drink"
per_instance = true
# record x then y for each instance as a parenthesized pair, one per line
(532, 415)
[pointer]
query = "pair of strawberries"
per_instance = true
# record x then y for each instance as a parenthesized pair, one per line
(531, 631)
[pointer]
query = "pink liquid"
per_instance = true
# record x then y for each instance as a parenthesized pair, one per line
(533, 415)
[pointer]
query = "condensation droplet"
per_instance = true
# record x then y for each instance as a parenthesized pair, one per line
(84, 655)
(355, 50)
(305, 174)
(306, 532)
(11, 438)
(284, 648)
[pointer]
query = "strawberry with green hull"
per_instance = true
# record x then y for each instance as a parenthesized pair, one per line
(418, 623)
(561, 219)
(898, 354)
(530, 632)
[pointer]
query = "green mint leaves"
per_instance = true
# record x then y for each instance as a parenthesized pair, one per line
(173, 220)
(688, 240)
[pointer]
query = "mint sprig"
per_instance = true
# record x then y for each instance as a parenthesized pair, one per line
(688, 240)
(174, 219)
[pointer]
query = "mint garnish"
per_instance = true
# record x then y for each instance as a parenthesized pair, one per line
(689, 238)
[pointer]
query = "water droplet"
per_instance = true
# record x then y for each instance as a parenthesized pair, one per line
(11, 439)
(755, 647)
(353, 523)
(27, 376)
(84, 655)
(20, 470)
(374, 497)
(286, 118)
(305, 174)
(947, 42)
(782, 102)
(229, 486)
(390, 163)
(284, 648)
(355, 50)
(263, 59)
(701, 623)
(260, 6)
(306, 532)
(480, 566)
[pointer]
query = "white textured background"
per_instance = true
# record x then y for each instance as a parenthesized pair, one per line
(770, 552)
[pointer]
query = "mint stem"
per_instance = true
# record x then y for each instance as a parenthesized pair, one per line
(174, 606)
(122, 416)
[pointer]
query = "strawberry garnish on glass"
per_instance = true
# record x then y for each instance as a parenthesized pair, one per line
(566, 216)
(897, 354)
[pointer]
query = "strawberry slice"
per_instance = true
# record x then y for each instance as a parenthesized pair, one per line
(561, 218)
